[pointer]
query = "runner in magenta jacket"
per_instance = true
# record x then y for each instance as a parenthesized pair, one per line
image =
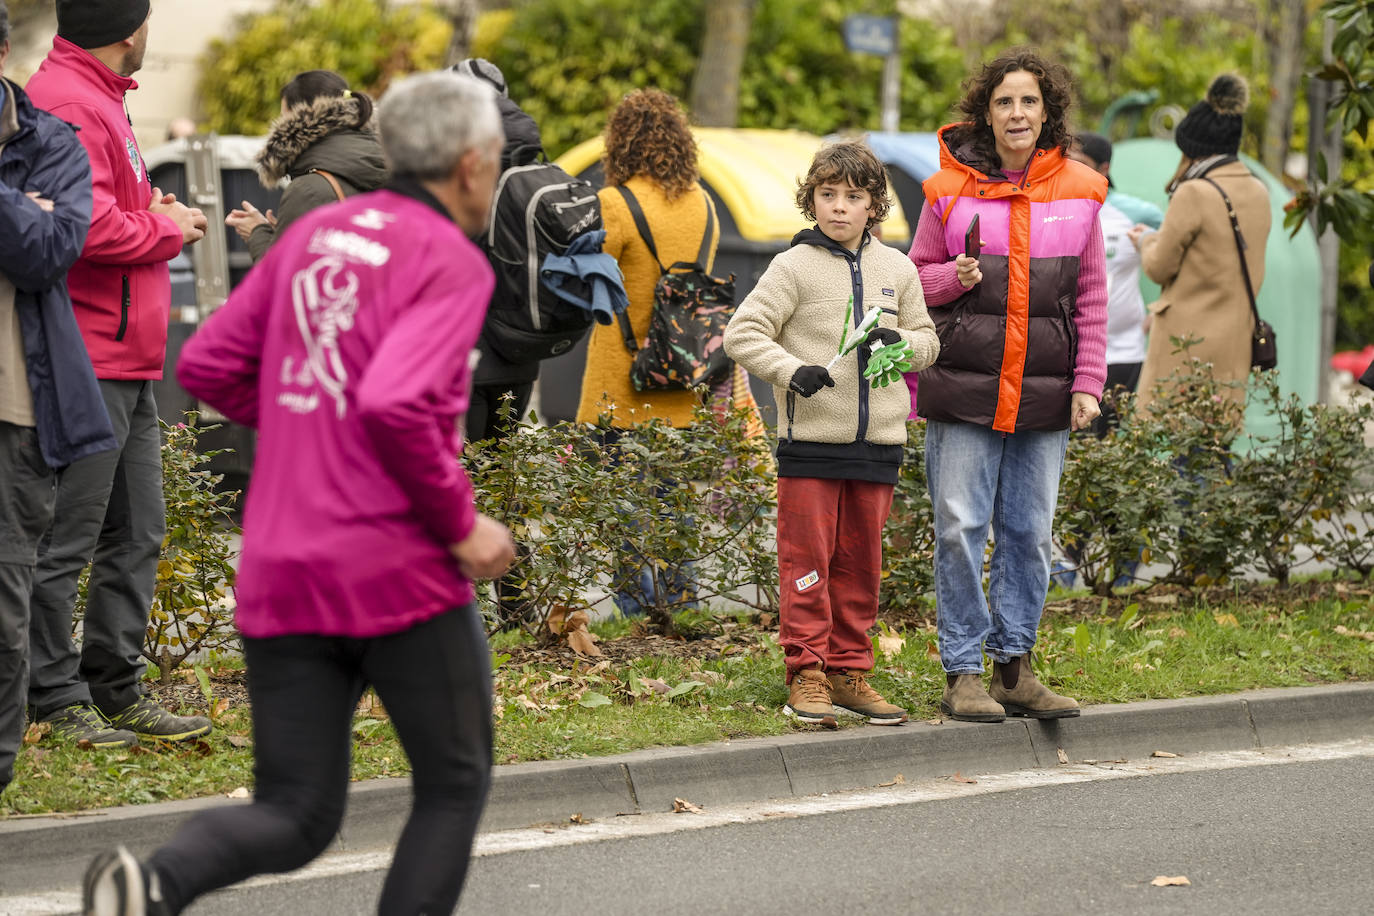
(120, 287)
(348, 348)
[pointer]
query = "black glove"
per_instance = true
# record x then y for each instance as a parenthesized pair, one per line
(807, 380)
(881, 337)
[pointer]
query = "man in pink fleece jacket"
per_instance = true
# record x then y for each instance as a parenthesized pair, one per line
(109, 506)
(348, 348)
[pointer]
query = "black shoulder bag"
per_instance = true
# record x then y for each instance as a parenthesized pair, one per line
(1264, 352)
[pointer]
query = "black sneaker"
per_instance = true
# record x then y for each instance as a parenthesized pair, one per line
(77, 723)
(116, 884)
(150, 721)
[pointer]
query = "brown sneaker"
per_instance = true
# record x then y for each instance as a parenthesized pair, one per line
(1020, 692)
(966, 700)
(808, 698)
(852, 694)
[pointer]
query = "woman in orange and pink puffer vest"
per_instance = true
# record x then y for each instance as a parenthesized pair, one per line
(1023, 334)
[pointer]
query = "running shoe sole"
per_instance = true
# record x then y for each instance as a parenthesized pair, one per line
(879, 719)
(113, 886)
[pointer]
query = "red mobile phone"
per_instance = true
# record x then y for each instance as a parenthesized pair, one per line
(972, 243)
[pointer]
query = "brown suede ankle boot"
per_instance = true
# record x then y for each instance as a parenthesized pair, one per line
(966, 700)
(1020, 692)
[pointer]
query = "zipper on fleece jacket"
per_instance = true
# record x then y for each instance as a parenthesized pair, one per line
(123, 309)
(856, 279)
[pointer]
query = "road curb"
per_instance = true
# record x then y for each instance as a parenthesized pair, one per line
(41, 854)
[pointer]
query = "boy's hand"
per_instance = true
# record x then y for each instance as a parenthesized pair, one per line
(807, 380)
(882, 337)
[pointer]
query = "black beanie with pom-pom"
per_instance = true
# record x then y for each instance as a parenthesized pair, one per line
(1213, 126)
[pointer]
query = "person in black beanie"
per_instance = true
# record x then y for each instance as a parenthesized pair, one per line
(110, 511)
(1194, 256)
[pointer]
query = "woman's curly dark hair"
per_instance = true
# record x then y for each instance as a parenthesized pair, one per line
(647, 134)
(1056, 87)
(851, 161)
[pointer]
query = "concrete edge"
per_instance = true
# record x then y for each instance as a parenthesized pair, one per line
(43, 853)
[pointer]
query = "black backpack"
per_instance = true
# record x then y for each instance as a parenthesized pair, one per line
(538, 210)
(685, 346)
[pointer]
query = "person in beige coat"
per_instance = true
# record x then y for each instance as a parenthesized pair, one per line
(841, 437)
(1193, 256)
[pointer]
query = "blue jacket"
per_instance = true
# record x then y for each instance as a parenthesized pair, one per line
(36, 250)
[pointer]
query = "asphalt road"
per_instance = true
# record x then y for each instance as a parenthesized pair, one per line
(1274, 839)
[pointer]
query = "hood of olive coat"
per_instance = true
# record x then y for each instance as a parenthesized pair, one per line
(322, 135)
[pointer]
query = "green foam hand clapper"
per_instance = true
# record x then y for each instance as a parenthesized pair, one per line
(887, 363)
(850, 344)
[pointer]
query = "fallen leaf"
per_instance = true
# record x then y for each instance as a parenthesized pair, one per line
(240, 792)
(1166, 881)
(932, 650)
(935, 721)
(959, 777)
(897, 780)
(1226, 620)
(1358, 634)
(85, 744)
(592, 699)
(240, 741)
(1177, 632)
(576, 819)
(1163, 754)
(557, 615)
(36, 754)
(36, 731)
(1063, 757)
(1162, 599)
(220, 707)
(891, 645)
(683, 806)
(580, 639)
(655, 684)
(766, 621)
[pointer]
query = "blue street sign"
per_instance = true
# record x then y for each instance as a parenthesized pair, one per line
(870, 34)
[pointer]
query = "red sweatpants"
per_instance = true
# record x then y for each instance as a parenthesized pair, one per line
(830, 558)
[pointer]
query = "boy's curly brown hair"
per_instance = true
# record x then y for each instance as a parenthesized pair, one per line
(1056, 87)
(850, 161)
(647, 134)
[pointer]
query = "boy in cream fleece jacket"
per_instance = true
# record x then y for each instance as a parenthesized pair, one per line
(840, 439)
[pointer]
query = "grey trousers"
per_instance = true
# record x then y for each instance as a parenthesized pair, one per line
(110, 514)
(26, 508)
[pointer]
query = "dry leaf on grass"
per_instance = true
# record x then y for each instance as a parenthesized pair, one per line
(1358, 634)
(683, 806)
(1166, 881)
(1163, 754)
(1063, 757)
(932, 650)
(240, 792)
(1226, 620)
(1162, 599)
(898, 780)
(580, 639)
(658, 686)
(36, 731)
(890, 645)
(959, 777)
(240, 741)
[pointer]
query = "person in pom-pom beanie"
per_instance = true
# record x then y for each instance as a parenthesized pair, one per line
(109, 505)
(1194, 254)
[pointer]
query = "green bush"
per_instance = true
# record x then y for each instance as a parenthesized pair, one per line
(699, 497)
(369, 43)
(192, 608)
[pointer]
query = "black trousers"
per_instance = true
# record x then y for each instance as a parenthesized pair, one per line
(434, 680)
(27, 492)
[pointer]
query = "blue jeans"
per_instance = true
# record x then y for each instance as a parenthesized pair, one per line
(978, 476)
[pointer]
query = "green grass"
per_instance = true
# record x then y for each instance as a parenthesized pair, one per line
(1145, 650)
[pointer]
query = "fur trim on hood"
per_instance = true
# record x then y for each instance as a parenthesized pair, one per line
(301, 128)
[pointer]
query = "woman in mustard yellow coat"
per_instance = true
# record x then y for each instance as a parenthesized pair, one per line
(651, 152)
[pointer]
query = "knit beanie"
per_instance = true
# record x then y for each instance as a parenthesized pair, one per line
(1213, 126)
(482, 69)
(97, 23)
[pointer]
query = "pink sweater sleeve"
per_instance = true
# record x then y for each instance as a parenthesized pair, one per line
(1090, 316)
(939, 276)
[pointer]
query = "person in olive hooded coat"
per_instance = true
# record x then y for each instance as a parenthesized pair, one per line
(322, 137)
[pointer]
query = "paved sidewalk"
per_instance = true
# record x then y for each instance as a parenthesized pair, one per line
(46, 854)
